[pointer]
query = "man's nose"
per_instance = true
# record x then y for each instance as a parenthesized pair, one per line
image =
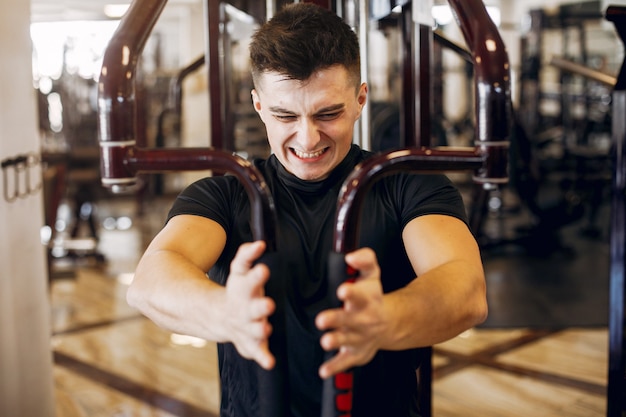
(309, 135)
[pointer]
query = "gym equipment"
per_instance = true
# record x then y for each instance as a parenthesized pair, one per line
(121, 160)
(559, 155)
(488, 159)
(616, 390)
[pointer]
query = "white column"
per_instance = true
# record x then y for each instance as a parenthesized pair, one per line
(26, 387)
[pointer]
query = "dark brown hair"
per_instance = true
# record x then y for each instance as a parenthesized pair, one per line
(301, 39)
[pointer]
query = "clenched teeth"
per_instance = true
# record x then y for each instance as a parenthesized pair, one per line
(308, 155)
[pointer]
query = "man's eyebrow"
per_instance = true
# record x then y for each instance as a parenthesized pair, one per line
(327, 109)
(277, 109)
(331, 108)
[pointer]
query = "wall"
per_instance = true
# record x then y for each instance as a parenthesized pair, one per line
(26, 388)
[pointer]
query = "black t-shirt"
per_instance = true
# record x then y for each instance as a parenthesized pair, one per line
(305, 213)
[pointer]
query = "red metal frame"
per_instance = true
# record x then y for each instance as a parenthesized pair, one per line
(121, 160)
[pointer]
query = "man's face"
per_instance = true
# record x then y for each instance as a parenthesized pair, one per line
(309, 123)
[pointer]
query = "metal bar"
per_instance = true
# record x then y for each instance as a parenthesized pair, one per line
(616, 390)
(576, 68)
(177, 87)
(346, 234)
(616, 387)
(116, 86)
(417, 40)
(491, 77)
(215, 77)
(461, 51)
(409, 84)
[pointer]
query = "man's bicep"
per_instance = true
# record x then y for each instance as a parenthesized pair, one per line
(198, 239)
(432, 240)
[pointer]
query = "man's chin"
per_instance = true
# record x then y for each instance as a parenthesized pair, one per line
(310, 175)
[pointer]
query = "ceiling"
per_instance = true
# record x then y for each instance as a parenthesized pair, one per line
(60, 10)
(64, 10)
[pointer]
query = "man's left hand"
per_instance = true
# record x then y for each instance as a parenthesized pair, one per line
(356, 329)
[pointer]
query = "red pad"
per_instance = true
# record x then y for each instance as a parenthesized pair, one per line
(343, 402)
(343, 381)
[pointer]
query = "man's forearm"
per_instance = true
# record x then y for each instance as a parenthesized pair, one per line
(178, 296)
(435, 307)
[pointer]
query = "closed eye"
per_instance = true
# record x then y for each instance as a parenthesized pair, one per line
(285, 117)
(329, 116)
(330, 113)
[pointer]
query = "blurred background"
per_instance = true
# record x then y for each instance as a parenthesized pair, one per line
(544, 237)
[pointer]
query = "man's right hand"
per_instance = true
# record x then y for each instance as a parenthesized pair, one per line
(247, 306)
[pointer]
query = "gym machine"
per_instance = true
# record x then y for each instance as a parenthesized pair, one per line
(616, 390)
(559, 155)
(122, 160)
(488, 158)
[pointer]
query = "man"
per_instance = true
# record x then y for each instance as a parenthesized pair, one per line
(420, 280)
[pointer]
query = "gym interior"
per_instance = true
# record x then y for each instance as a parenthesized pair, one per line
(548, 211)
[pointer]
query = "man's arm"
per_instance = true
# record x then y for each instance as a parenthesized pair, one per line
(172, 289)
(447, 297)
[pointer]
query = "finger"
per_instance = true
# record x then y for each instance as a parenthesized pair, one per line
(363, 260)
(329, 319)
(250, 284)
(258, 333)
(254, 344)
(261, 308)
(340, 362)
(257, 278)
(332, 341)
(258, 351)
(265, 359)
(245, 257)
(343, 338)
(354, 295)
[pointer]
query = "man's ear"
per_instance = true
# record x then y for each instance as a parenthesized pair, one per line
(256, 101)
(362, 97)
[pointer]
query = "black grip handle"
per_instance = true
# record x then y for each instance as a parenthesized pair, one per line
(337, 390)
(272, 400)
(273, 389)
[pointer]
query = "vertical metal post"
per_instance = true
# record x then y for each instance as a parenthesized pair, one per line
(423, 38)
(215, 76)
(417, 50)
(364, 138)
(531, 45)
(616, 390)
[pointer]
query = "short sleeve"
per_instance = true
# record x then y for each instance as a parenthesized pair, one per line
(213, 198)
(422, 194)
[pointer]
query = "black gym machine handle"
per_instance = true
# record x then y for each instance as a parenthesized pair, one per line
(488, 159)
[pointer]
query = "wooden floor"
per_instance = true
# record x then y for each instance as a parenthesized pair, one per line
(112, 362)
